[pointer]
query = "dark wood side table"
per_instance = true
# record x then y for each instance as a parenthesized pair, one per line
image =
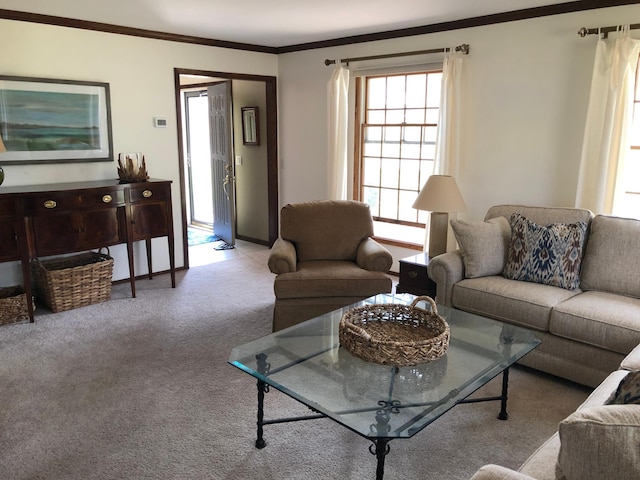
(414, 278)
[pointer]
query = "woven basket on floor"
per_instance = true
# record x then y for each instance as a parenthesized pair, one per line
(74, 281)
(394, 334)
(13, 305)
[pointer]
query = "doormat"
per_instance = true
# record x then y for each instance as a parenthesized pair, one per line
(195, 236)
(223, 246)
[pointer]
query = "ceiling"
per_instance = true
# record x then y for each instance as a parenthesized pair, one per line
(273, 23)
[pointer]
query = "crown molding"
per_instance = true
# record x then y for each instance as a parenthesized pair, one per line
(135, 32)
(524, 14)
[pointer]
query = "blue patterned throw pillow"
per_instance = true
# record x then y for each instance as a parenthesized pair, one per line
(550, 254)
(628, 391)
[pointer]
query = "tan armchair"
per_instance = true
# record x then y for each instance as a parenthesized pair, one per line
(325, 259)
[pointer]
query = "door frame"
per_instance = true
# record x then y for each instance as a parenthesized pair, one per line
(271, 142)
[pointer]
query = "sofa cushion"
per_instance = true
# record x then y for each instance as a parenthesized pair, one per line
(330, 278)
(600, 442)
(523, 303)
(483, 245)
(550, 254)
(602, 319)
(542, 215)
(612, 257)
(628, 391)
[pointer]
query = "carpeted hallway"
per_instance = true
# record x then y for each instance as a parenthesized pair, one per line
(141, 389)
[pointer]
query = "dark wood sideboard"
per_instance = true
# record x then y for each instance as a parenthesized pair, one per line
(45, 220)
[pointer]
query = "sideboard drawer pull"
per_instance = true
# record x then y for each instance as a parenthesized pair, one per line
(147, 193)
(413, 274)
(50, 204)
(107, 198)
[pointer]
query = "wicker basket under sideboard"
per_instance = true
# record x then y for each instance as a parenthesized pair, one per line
(74, 281)
(13, 305)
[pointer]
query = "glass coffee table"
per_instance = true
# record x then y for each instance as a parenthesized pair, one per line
(380, 402)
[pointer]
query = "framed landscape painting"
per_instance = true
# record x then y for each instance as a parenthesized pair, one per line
(54, 121)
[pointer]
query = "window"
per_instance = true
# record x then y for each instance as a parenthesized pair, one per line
(396, 149)
(628, 199)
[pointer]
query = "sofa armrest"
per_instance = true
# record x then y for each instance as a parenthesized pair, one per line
(282, 258)
(632, 361)
(373, 256)
(446, 270)
(496, 472)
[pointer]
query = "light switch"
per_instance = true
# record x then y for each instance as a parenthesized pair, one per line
(238, 159)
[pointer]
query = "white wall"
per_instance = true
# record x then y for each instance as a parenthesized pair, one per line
(526, 87)
(141, 78)
(252, 199)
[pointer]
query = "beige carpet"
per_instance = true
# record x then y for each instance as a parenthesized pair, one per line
(141, 389)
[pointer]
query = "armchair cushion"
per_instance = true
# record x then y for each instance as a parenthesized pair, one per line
(326, 229)
(330, 278)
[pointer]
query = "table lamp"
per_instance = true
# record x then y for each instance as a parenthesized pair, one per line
(440, 196)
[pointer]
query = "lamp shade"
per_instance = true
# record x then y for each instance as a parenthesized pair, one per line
(440, 194)
(2, 147)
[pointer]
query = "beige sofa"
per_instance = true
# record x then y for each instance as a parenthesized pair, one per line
(325, 259)
(585, 331)
(596, 442)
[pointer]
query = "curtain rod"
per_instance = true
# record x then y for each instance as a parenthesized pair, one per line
(604, 31)
(464, 48)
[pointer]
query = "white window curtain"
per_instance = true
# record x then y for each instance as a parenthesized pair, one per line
(448, 137)
(338, 115)
(606, 140)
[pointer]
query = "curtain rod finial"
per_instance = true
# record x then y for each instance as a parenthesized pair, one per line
(328, 62)
(583, 32)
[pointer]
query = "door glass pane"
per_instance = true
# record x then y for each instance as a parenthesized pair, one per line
(200, 159)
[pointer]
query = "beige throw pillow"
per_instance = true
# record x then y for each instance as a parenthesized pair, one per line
(483, 245)
(600, 442)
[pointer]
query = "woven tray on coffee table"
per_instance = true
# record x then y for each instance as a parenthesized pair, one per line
(394, 334)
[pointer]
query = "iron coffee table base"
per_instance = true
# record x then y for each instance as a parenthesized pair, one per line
(380, 445)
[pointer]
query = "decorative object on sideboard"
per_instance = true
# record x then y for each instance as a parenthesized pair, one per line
(440, 196)
(133, 168)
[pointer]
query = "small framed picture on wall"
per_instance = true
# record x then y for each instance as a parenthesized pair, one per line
(250, 130)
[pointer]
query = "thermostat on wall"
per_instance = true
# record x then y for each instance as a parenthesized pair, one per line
(160, 122)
